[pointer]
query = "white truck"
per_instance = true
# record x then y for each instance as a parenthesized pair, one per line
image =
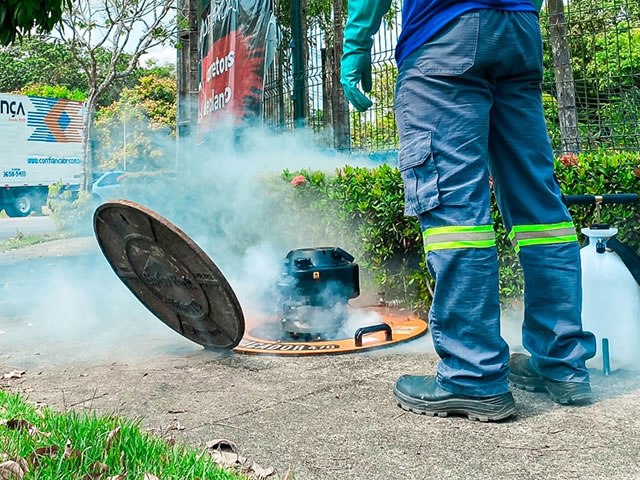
(40, 144)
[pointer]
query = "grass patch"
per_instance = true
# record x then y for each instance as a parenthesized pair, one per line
(65, 446)
(21, 240)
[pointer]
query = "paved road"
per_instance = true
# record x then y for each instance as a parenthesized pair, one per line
(30, 225)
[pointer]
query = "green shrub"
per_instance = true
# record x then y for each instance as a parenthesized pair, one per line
(72, 216)
(605, 172)
(53, 91)
(364, 207)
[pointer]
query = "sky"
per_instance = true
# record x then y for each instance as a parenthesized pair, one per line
(162, 54)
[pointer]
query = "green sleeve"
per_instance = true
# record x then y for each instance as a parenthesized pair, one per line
(363, 21)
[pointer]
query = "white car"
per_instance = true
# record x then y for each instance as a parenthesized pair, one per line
(107, 186)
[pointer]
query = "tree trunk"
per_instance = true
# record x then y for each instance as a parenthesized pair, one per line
(340, 109)
(87, 139)
(565, 86)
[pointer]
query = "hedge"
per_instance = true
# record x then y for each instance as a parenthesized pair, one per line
(365, 207)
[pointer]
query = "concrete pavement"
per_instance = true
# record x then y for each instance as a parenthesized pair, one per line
(28, 225)
(330, 417)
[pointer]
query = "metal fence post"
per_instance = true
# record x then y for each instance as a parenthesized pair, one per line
(299, 70)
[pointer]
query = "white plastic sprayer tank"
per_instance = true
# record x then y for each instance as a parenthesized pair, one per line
(610, 302)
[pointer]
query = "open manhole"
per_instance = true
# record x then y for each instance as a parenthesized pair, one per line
(185, 289)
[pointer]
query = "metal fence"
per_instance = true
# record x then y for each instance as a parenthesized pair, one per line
(591, 84)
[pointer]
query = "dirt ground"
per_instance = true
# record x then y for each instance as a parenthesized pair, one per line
(334, 416)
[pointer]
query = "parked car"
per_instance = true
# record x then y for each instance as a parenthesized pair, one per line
(107, 185)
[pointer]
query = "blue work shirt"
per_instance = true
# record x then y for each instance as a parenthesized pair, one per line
(422, 19)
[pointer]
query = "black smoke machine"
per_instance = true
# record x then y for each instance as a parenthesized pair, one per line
(315, 287)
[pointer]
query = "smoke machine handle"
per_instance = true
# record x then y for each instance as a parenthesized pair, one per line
(339, 254)
(382, 327)
(620, 198)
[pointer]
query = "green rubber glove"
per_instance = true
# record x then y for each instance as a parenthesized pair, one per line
(363, 21)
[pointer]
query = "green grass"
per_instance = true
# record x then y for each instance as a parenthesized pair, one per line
(21, 240)
(131, 451)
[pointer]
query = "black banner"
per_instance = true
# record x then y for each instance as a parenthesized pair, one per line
(236, 42)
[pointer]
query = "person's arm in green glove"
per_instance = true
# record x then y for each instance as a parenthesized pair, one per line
(363, 21)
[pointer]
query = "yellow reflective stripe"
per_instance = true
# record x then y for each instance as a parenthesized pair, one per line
(459, 237)
(543, 234)
(457, 229)
(545, 241)
(542, 227)
(539, 228)
(441, 238)
(465, 244)
(561, 232)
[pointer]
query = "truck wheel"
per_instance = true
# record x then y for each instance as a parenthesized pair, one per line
(21, 206)
(38, 201)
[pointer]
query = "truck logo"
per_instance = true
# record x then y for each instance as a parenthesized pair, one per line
(55, 120)
(7, 107)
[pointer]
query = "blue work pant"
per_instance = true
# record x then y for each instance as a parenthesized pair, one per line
(469, 105)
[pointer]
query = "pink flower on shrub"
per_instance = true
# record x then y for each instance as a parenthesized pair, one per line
(636, 171)
(299, 180)
(490, 182)
(569, 160)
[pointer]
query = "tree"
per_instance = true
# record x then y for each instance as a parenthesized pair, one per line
(53, 91)
(134, 132)
(36, 60)
(565, 85)
(604, 50)
(20, 17)
(339, 105)
(122, 30)
(320, 19)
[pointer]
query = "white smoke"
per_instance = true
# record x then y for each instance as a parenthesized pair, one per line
(222, 196)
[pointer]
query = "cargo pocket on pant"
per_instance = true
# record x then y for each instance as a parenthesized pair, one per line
(419, 174)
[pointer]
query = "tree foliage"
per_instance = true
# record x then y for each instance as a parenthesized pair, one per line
(53, 91)
(136, 130)
(604, 51)
(20, 17)
(40, 60)
(107, 38)
(34, 60)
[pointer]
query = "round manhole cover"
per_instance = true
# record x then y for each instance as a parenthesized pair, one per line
(169, 274)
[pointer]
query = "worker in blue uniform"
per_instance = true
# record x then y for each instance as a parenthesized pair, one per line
(468, 105)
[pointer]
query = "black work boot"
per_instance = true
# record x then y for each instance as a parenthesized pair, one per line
(523, 376)
(423, 395)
